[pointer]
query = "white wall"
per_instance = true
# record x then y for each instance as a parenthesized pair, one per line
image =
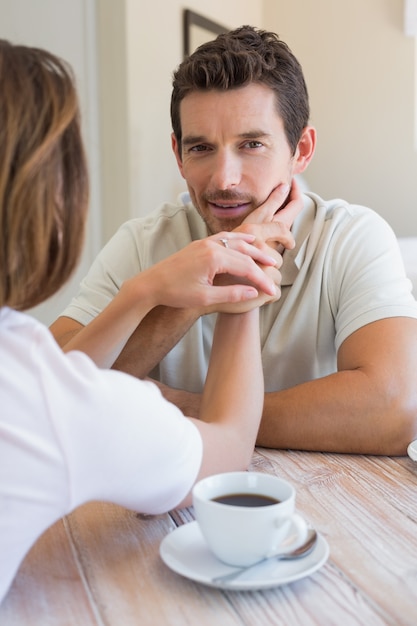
(135, 78)
(66, 28)
(361, 71)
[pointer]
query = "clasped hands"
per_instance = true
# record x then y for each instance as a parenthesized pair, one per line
(271, 229)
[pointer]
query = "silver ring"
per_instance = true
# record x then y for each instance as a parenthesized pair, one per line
(225, 242)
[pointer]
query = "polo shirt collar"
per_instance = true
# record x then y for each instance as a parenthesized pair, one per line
(301, 229)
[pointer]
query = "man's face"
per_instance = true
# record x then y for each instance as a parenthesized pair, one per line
(234, 152)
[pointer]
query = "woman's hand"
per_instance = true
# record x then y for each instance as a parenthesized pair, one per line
(188, 278)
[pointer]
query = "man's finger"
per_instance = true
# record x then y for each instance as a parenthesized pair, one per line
(293, 207)
(267, 210)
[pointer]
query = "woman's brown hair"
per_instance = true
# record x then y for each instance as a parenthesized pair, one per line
(43, 175)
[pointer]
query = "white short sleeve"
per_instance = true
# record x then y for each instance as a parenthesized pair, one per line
(70, 433)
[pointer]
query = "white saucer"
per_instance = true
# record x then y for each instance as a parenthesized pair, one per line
(186, 553)
(412, 450)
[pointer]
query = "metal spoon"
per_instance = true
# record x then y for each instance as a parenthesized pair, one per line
(303, 550)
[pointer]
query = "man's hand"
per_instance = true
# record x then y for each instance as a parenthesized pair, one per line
(270, 224)
(272, 219)
(282, 205)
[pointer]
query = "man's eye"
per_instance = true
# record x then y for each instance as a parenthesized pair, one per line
(253, 144)
(199, 148)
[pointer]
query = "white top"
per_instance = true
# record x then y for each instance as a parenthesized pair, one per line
(345, 272)
(70, 433)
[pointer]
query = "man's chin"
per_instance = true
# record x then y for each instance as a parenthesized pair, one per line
(217, 226)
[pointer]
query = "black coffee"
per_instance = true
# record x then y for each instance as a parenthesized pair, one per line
(246, 499)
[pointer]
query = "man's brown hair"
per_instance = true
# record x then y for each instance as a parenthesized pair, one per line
(240, 57)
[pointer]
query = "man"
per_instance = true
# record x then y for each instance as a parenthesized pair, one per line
(339, 347)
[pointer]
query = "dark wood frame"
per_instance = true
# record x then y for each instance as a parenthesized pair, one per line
(191, 20)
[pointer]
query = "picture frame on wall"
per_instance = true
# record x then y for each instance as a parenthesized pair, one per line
(198, 29)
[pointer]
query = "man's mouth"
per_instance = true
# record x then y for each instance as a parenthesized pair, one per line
(229, 209)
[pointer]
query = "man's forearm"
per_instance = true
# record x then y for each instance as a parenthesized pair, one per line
(157, 334)
(368, 407)
(339, 413)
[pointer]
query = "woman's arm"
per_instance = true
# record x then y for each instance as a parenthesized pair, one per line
(233, 395)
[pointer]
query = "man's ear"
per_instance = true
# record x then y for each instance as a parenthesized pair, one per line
(176, 150)
(305, 149)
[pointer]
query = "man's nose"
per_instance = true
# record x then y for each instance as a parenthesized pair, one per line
(227, 171)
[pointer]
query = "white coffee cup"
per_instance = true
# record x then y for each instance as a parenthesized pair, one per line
(244, 534)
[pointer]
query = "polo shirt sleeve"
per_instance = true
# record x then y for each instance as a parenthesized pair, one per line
(118, 260)
(367, 280)
(137, 245)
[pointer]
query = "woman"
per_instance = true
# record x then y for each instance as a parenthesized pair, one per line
(69, 431)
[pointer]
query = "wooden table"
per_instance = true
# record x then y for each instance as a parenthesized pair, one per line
(101, 566)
